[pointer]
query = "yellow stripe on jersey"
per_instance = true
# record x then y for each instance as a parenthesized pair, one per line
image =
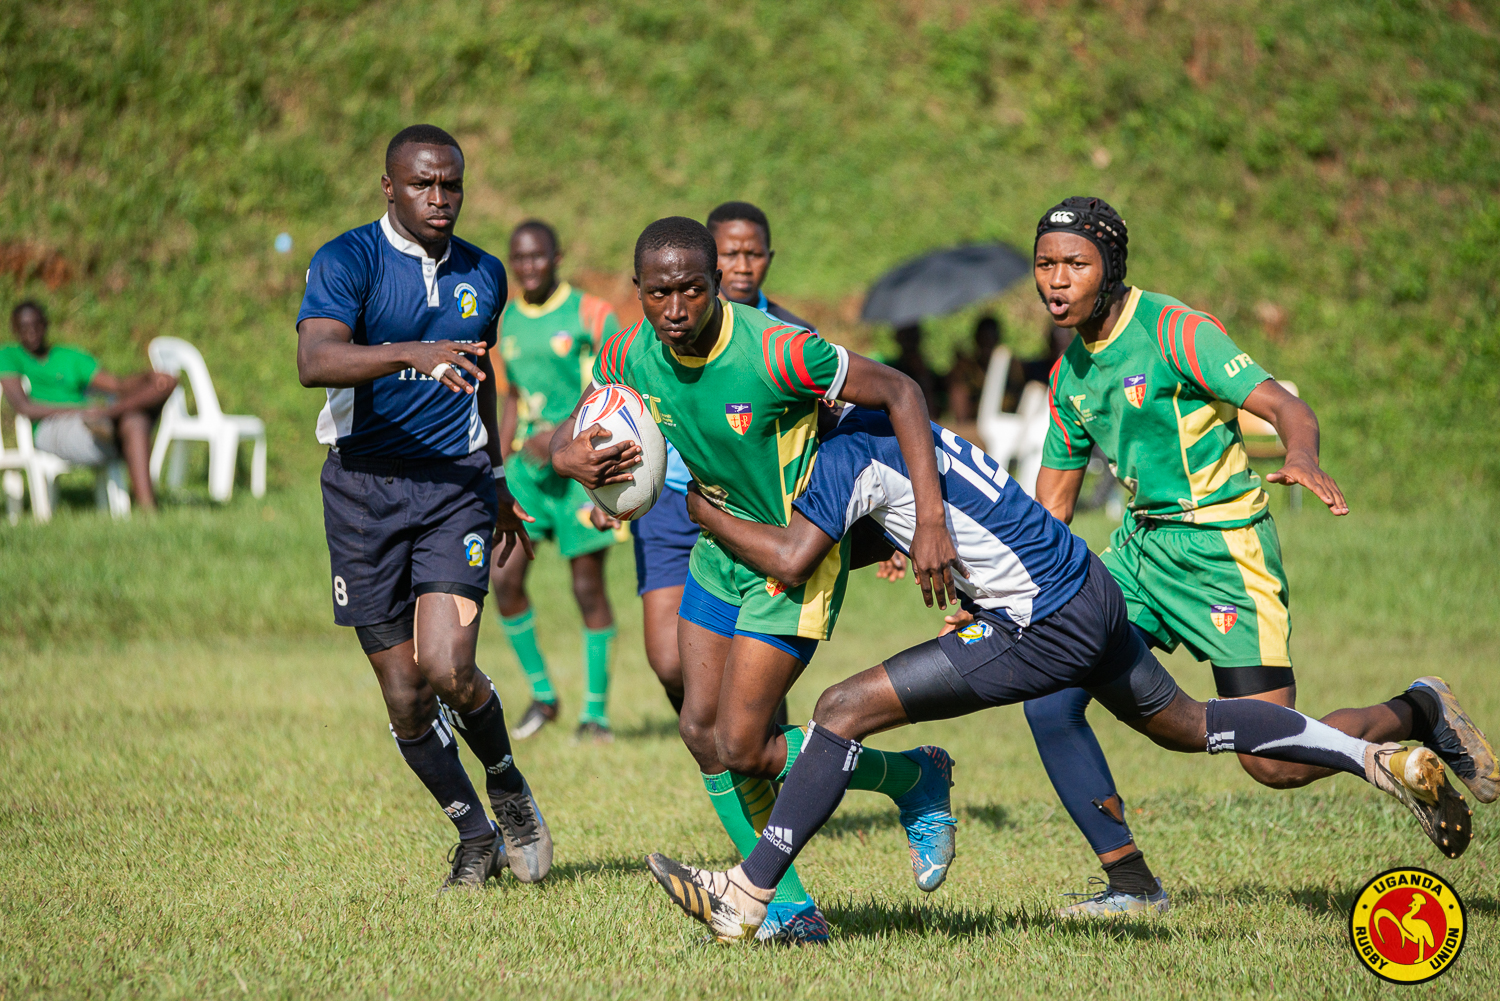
(554, 300)
(1270, 613)
(1126, 315)
(726, 331)
(789, 448)
(817, 595)
(1204, 483)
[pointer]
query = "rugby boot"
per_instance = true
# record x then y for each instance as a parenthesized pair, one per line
(1461, 744)
(472, 865)
(732, 908)
(528, 841)
(1106, 902)
(1414, 776)
(793, 924)
(536, 716)
(593, 733)
(927, 815)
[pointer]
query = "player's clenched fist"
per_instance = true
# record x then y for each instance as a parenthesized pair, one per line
(594, 467)
(444, 360)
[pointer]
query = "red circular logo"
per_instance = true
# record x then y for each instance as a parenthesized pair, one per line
(1407, 926)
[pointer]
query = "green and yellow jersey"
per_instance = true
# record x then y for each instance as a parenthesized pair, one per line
(745, 418)
(1160, 396)
(548, 351)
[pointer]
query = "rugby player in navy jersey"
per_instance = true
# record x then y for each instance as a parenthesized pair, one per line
(1047, 616)
(396, 324)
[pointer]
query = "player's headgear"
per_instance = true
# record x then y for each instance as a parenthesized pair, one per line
(680, 232)
(1096, 221)
(419, 135)
(540, 226)
(741, 212)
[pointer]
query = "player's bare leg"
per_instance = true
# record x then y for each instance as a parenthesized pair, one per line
(659, 618)
(508, 584)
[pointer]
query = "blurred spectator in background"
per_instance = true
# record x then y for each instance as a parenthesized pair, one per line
(909, 361)
(1040, 369)
(966, 377)
(67, 422)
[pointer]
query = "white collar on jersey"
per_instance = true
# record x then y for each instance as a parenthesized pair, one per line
(410, 249)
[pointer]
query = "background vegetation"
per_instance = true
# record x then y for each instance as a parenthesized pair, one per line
(1322, 176)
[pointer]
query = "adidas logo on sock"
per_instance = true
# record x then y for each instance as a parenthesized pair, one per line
(781, 837)
(1220, 742)
(503, 766)
(456, 809)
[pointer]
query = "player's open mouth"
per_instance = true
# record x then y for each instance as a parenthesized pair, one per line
(1057, 305)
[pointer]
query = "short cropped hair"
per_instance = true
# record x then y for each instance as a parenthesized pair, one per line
(741, 212)
(418, 135)
(678, 232)
(540, 227)
(23, 306)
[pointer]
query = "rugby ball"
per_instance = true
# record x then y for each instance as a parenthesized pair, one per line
(621, 411)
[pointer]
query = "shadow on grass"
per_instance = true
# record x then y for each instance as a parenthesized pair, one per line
(655, 728)
(574, 871)
(870, 919)
(992, 816)
(1318, 900)
(848, 823)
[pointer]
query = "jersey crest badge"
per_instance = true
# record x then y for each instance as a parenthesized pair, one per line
(773, 586)
(1135, 390)
(1407, 926)
(474, 549)
(738, 415)
(468, 300)
(562, 343)
(1223, 617)
(975, 631)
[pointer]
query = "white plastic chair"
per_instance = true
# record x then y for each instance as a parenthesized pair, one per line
(221, 431)
(1000, 431)
(1034, 415)
(41, 469)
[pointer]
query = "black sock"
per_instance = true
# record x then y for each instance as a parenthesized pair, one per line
(1425, 712)
(1250, 726)
(434, 757)
(1131, 875)
(484, 731)
(812, 791)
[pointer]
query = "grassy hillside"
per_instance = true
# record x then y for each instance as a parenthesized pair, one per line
(1322, 176)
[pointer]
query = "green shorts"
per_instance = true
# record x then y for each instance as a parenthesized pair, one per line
(559, 505)
(766, 605)
(1222, 593)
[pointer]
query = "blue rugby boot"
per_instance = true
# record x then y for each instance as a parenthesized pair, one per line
(927, 815)
(793, 924)
(1107, 902)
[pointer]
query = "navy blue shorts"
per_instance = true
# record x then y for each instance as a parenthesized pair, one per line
(1088, 643)
(397, 529)
(664, 538)
(713, 613)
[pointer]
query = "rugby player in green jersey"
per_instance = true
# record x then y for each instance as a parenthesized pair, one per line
(1157, 386)
(549, 336)
(738, 394)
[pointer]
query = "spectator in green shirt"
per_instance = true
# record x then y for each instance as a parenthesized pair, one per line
(69, 422)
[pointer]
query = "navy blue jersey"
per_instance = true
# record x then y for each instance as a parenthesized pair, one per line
(388, 290)
(1021, 561)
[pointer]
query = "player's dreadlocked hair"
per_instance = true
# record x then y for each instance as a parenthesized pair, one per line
(678, 232)
(1096, 221)
(741, 212)
(418, 135)
(540, 227)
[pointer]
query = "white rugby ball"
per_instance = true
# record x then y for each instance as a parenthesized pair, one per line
(621, 411)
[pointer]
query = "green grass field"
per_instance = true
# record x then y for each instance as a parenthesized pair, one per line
(190, 815)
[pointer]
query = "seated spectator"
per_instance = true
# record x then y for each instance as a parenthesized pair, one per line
(966, 377)
(909, 361)
(67, 422)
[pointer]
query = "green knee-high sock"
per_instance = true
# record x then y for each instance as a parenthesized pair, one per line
(743, 805)
(521, 631)
(889, 772)
(596, 644)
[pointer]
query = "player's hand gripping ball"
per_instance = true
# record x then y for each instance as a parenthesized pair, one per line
(620, 411)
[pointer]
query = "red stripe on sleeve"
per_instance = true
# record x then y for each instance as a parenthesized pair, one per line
(779, 372)
(1189, 334)
(796, 347)
(768, 348)
(1052, 405)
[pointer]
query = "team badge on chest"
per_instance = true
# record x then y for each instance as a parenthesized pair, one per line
(738, 415)
(1135, 390)
(468, 300)
(562, 343)
(1223, 617)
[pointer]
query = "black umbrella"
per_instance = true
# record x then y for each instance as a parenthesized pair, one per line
(943, 281)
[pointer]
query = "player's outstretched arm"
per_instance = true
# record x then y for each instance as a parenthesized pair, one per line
(328, 358)
(1297, 426)
(933, 555)
(578, 459)
(1057, 491)
(789, 554)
